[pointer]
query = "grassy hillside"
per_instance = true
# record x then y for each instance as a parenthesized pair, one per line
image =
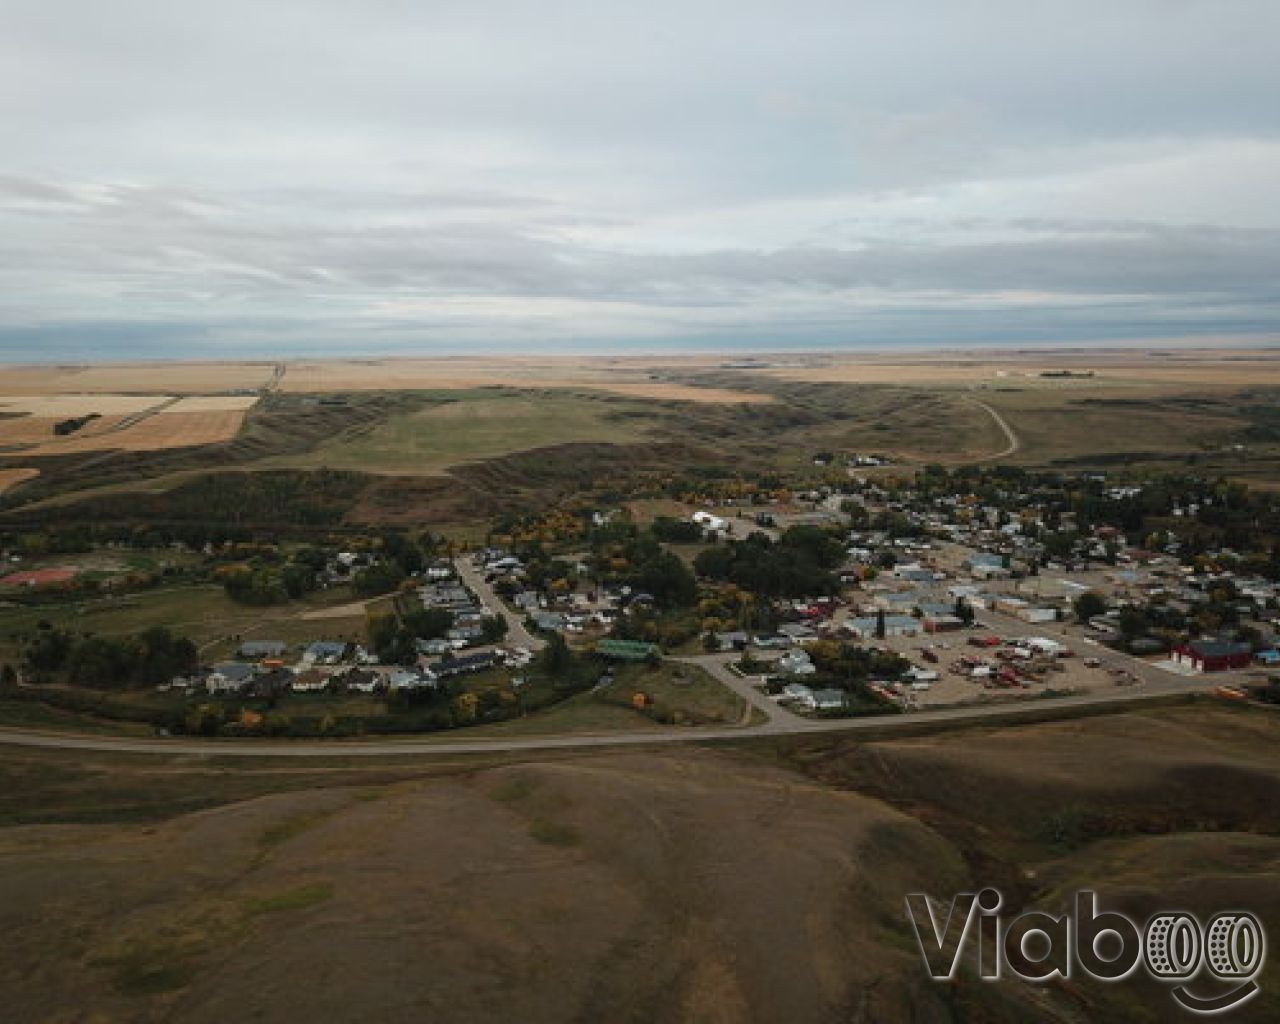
(665, 886)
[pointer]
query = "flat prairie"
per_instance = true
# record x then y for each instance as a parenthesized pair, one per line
(1074, 368)
(637, 380)
(136, 378)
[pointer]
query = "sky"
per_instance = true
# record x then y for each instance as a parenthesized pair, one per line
(256, 177)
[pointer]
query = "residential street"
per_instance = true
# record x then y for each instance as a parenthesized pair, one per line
(518, 634)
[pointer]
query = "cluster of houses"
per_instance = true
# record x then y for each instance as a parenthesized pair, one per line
(260, 671)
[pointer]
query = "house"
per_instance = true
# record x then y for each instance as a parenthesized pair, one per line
(551, 622)
(734, 640)
(527, 600)
(799, 694)
(228, 677)
(413, 679)
(1213, 655)
(255, 650)
(363, 681)
(894, 625)
(449, 667)
(946, 623)
(828, 700)
(796, 662)
(311, 680)
(325, 652)
(269, 685)
(194, 681)
(441, 569)
(797, 632)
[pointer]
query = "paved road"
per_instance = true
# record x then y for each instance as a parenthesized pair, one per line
(518, 634)
(1003, 424)
(780, 723)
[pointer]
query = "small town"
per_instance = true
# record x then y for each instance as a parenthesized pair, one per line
(883, 595)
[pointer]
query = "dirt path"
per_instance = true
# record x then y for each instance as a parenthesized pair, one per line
(1003, 424)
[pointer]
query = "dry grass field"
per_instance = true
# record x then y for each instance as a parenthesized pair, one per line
(11, 477)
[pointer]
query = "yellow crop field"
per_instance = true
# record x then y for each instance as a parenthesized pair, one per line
(146, 425)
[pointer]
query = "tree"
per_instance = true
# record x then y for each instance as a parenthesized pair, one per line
(556, 658)
(880, 625)
(377, 579)
(1089, 605)
(1133, 623)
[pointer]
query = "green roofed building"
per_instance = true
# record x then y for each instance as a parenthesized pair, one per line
(627, 650)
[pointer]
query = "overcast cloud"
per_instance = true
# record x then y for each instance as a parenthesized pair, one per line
(254, 178)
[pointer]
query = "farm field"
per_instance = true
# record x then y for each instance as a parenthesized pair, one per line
(1176, 407)
(142, 379)
(174, 423)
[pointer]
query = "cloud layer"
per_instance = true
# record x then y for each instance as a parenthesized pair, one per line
(252, 178)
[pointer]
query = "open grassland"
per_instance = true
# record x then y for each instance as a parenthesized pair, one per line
(761, 884)
(1066, 424)
(480, 425)
(202, 612)
(452, 451)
